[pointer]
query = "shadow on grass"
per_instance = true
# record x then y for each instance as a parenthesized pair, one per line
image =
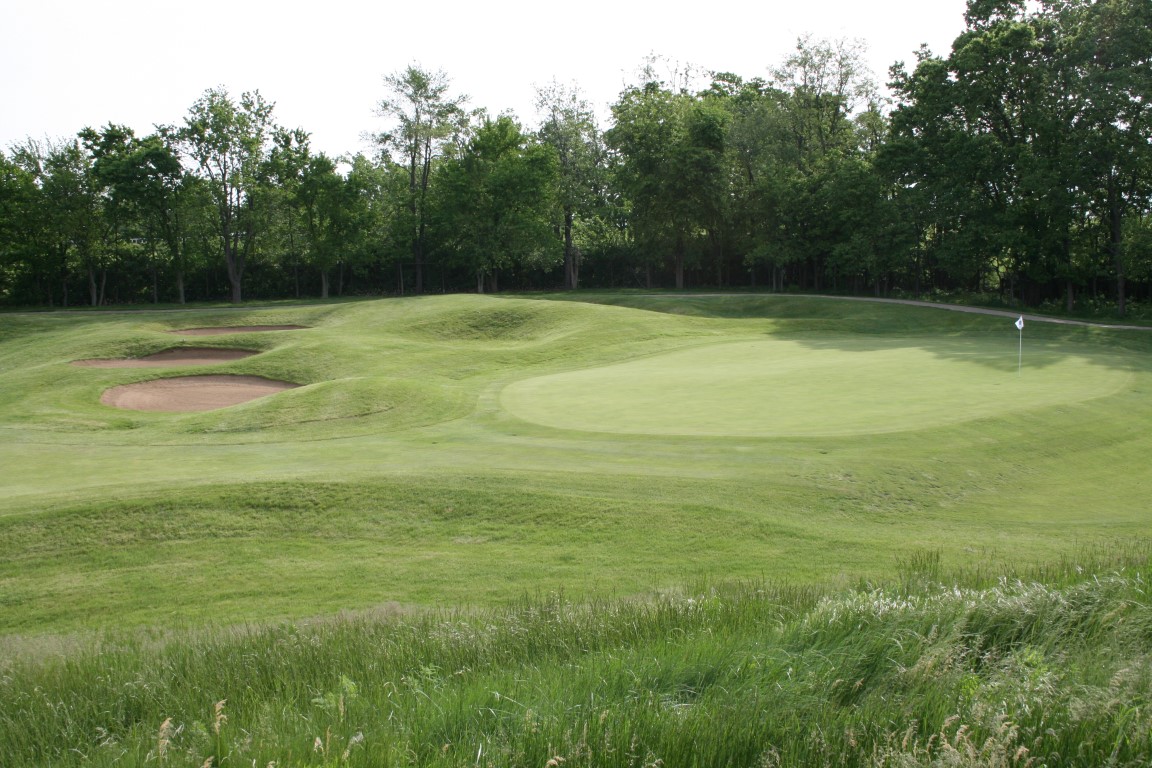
(866, 326)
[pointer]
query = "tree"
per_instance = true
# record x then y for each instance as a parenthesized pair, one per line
(827, 93)
(1035, 127)
(671, 148)
(826, 82)
(569, 127)
(69, 213)
(1111, 44)
(18, 203)
(145, 184)
(494, 201)
(426, 118)
(228, 141)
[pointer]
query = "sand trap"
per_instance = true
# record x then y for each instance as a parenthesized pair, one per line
(173, 357)
(192, 393)
(220, 330)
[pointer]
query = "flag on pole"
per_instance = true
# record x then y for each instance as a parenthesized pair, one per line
(1020, 355)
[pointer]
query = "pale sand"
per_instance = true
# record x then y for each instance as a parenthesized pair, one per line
(192, 393)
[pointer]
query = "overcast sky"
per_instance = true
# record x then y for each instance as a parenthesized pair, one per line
(67, 64)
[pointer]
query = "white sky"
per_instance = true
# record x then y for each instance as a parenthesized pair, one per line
(66, 64)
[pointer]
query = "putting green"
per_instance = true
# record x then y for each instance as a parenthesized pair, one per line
(813, 387)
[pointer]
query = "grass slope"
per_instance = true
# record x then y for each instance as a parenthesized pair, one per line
(396, 475)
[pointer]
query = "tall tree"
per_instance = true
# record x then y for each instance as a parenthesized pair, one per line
(672, 169)
(229, 141)
(145, 182)
(20, 229)
(494, 201)
(426, 118)
(71, 211)
(1111, 44)
(825, 87)
(569, 126)
(1038, 117)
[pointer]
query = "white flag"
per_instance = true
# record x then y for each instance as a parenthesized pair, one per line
(1020, 322)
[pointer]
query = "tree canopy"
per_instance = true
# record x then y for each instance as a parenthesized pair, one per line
(1018, 163)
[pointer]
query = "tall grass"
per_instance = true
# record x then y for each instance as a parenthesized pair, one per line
(916, 672)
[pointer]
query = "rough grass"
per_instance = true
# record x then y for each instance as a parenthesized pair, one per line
(938, 669)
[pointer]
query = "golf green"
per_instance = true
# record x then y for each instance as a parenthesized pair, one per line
(817, 386)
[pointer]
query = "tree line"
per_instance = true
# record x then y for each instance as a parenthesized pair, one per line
(1020, 164)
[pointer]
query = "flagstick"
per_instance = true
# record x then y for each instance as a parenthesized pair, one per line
(1020, 355)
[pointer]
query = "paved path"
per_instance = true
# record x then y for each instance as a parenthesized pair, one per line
(932, 305)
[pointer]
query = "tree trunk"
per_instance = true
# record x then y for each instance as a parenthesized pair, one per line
(323, 283)
(678, 262)
(418, 261)
(180, 285)
(92, 285)
(232, 261)
(1116, 239)
(571, 277)
(717, 248)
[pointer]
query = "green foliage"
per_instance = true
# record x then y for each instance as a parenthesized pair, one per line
(493, 202)
(672, 147)
(1023, 144)
(229, 141)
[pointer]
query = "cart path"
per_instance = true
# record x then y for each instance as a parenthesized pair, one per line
(929, 304)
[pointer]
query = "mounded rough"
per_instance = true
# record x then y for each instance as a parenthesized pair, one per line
(224, 329)
(172, 357)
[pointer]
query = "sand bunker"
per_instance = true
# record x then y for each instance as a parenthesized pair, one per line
(219, 330)
(192, 393)
(173, 357)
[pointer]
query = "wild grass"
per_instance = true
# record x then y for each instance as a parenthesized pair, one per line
(916, 672)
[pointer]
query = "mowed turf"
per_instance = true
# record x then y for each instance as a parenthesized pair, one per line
(813, 387)
(469, 450)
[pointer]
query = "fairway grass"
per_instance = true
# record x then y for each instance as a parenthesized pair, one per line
(470, 450)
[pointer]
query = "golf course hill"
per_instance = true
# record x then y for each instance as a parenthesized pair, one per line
(576, 529)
